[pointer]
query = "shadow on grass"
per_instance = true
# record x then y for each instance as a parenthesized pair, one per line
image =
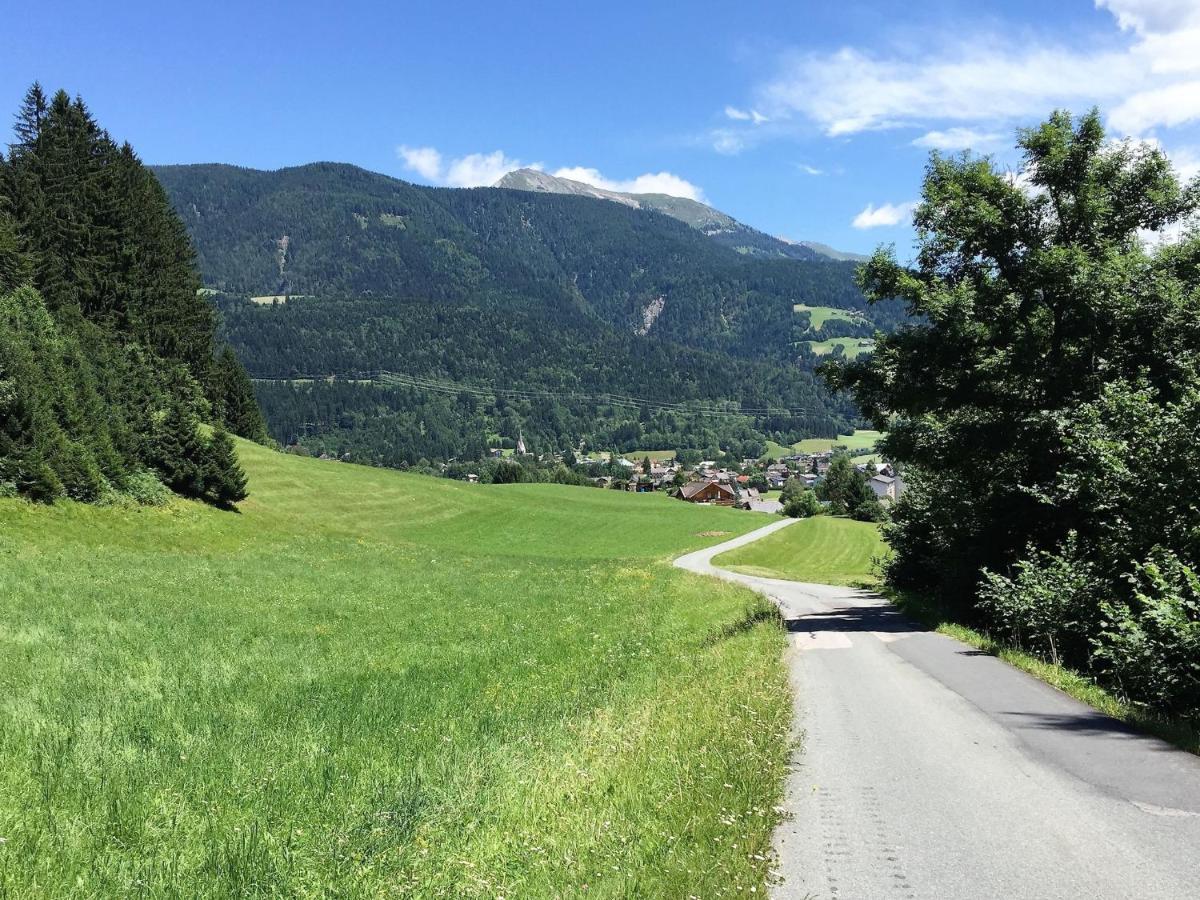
(754, 614)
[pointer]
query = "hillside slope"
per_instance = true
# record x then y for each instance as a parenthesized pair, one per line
(336, 230)
(490, 289)
(366, 678)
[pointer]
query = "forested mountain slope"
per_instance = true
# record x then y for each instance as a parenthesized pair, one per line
(500, 288)
(329, 229)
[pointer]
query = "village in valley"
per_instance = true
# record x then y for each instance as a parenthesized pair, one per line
(751, 484)
(758, 484)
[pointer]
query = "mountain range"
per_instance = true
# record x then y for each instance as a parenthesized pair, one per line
(566, 296)
(721, 227)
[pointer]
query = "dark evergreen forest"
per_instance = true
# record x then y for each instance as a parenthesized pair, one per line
(109, 361)
(492, 288)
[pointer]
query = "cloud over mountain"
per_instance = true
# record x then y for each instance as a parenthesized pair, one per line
(485, 169)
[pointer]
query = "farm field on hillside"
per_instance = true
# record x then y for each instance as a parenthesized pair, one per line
(636, 456)
(819, 315)
(851, 346)
(370, 683)
(822, 549)
(860, 440)
(655, 455)
(776, 450)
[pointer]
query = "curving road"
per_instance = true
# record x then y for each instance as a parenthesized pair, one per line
(931, 770)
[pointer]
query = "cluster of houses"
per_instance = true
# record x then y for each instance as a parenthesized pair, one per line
(742, 487)
(723, 486)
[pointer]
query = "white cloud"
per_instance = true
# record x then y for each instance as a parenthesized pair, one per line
(650, 183)
(1172, 105)
(1187, 162)
(425, 161)
(485, 169)
(472, 170)
(1150, 16)
(728, 142)
(482, 169)
(850, 91)
(958, 139)
(884, 215)
(809, 170)
(743, 115)
(953, 85)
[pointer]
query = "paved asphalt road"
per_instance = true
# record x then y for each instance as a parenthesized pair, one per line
(931, 770)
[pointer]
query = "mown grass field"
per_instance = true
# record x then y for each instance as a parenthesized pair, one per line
(367, 683)
(655, 455)
(864, 439)
(819, 315)
(823, 549)
(859, 440)
(849, 344)
(636, 456)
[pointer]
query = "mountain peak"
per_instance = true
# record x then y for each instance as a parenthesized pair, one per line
(718, 225)
(545, 183)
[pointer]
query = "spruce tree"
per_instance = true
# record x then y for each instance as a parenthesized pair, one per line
(101, 324)
(29, 117)
(178, 453)
(14, 263)
(225, 480)
(233, 391)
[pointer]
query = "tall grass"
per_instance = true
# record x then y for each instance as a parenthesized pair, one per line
(367, 684)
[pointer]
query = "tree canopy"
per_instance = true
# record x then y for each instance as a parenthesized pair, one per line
(102, 330)
(1046, 402)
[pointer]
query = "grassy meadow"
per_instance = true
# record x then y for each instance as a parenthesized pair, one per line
(823, 549)
(849, 344)
(636, 456)
(819, 315)
(367, 683)
(860, 440)
(863, 439)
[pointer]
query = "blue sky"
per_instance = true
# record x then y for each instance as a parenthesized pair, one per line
(805, 119)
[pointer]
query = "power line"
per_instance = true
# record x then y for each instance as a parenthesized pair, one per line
(445, 386)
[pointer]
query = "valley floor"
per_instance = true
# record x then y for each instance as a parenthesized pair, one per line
(371, 683)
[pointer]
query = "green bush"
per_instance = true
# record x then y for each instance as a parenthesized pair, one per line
(869, 511)
(145, 489)
(507, 471)
(1044, 607)
(1150, 645)
(802, 505)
